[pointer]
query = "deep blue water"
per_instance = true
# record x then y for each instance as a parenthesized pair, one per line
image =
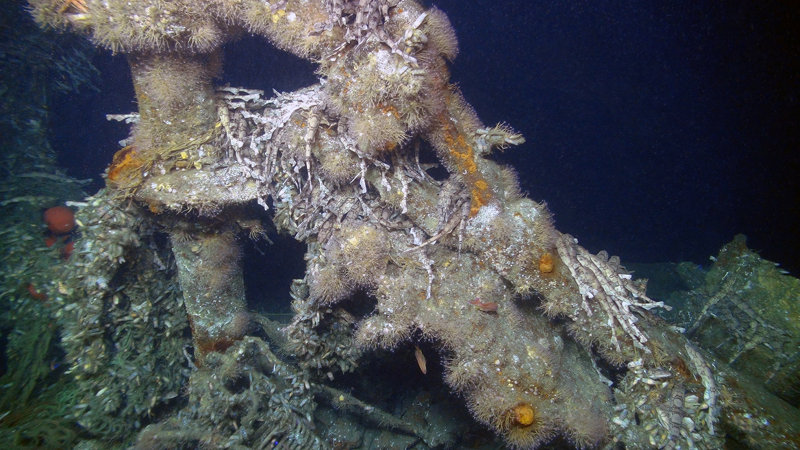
(656, 130)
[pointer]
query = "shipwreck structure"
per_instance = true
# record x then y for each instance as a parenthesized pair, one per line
(530, 325)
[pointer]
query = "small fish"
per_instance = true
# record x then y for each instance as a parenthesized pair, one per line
(487, 307)
(420, 360)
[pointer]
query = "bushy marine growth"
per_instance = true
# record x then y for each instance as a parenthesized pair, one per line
(508, 363)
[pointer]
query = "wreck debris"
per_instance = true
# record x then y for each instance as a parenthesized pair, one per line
(337, 166)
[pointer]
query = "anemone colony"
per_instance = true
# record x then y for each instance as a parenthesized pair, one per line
(338, 166)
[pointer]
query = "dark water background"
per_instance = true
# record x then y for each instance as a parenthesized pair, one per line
(656, 130)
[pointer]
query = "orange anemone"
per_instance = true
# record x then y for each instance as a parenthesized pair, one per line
(59, 220)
